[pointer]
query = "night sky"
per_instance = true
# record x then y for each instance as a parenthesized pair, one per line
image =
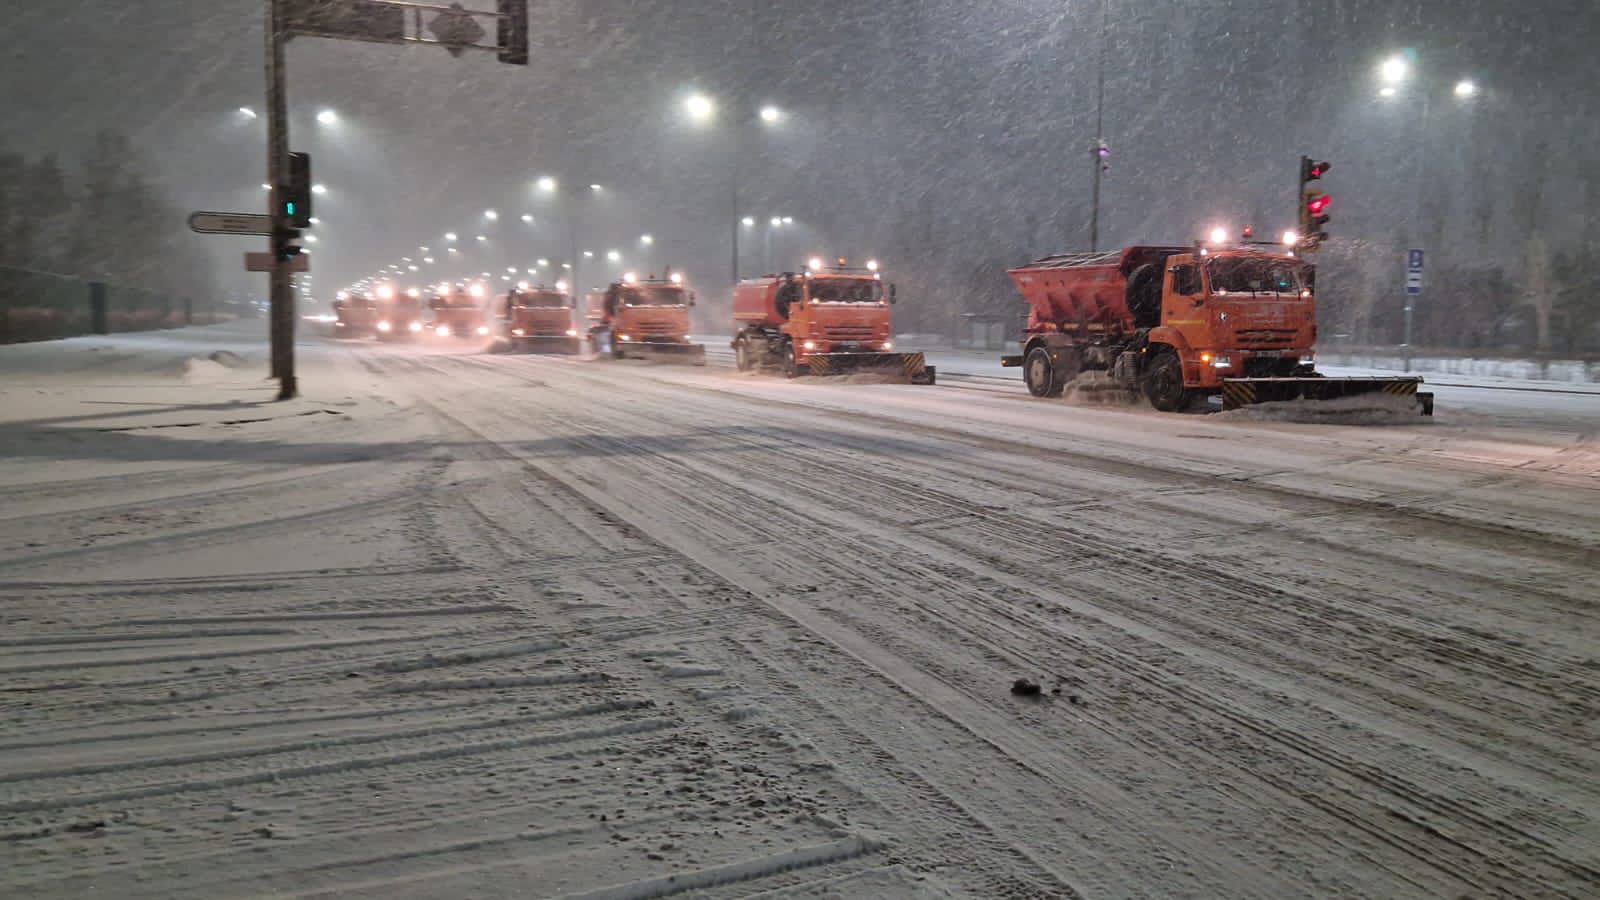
(945, 137)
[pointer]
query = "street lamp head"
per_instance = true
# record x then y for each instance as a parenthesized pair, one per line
(527, 218)
(482, 237)
(700, 107)
(646, 239)
(491, 215)
(776, 221)
(327, 117)
(319, 189)
(1393, 70)
(588, 254)
(546, 184)
(247, 112)
(1465, 88)
(1388, 90)
(596, 188)
(788, 220)
(771, 115)
(542, 262)
(749, 221)
(614, 255)
(450, 236)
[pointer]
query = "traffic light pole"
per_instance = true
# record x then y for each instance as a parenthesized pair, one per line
(280, 289)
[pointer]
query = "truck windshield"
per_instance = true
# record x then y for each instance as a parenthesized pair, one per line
(456, 301)
(845, 290)
(654, 296)
(542, 298)
(1254, 275)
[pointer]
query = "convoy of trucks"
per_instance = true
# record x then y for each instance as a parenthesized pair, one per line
(1180, 325)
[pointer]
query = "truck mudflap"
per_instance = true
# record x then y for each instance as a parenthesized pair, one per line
(1237, 392)
(681, 354)
(547, 344)
(912, 366)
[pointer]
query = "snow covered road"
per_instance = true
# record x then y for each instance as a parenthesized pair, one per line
(460, 624)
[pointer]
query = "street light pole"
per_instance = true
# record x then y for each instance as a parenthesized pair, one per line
(1099, 149)
(1416, 215)
(280, 289)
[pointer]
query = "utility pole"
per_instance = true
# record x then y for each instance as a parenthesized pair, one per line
(1099, 151)
(280, 290)
(733, 269)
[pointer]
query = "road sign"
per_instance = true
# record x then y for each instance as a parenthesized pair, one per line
(262, 262)
(359, 20)
(229, 223)
(1414, 272)
(456, 29)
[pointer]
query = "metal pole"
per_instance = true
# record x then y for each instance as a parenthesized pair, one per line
(577, 255)
(1416, 218)
(1099, 129)
(767, 252)
(734, 192)
(280, 290)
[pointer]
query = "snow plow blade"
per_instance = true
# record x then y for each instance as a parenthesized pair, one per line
(911, 366)
(680, 354)
(1237, 392)
(554, 344)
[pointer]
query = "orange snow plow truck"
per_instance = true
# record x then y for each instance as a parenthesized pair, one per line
(646, 319)
(539, 320)
(1181, 324)
(824, 321)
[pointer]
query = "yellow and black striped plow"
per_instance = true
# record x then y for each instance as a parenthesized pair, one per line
(912, 366)
(1237, 392)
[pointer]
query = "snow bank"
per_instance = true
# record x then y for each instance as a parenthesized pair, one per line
(1564, 371)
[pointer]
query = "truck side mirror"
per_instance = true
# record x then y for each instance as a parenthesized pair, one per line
(892, 293)
(693, 297)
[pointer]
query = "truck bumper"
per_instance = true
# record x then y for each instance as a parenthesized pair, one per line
(547, 343)
(1237, 392)
(681, 354)
(912, 366)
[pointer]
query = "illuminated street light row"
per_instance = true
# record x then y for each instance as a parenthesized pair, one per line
(1395, 70)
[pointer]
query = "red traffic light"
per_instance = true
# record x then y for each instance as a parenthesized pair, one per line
(1318, 204)
(1318, 169)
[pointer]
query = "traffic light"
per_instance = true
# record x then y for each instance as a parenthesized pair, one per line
(511, 36)
(286, 244)
(296, 195)
(1313, 202)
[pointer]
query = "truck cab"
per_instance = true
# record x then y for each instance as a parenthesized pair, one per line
(354, 315)
(539, 319)
(459, 311)
(1237, 313)
(823, 321)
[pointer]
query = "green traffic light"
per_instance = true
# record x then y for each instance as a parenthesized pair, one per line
(288, 208)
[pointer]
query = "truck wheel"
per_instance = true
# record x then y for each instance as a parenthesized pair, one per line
(742, 358)
(791, 369)
(1040, 374)
(1163, 383)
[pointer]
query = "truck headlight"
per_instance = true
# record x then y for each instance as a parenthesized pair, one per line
(385, 326)
(516, 332)
(1222, 362)
(888, 345)
(416, 326)
(572, 332)
(483, 329)
(809, 345)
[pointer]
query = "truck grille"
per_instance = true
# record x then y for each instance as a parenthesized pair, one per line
(656, 328)
(1266, 337)
(848, 332)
